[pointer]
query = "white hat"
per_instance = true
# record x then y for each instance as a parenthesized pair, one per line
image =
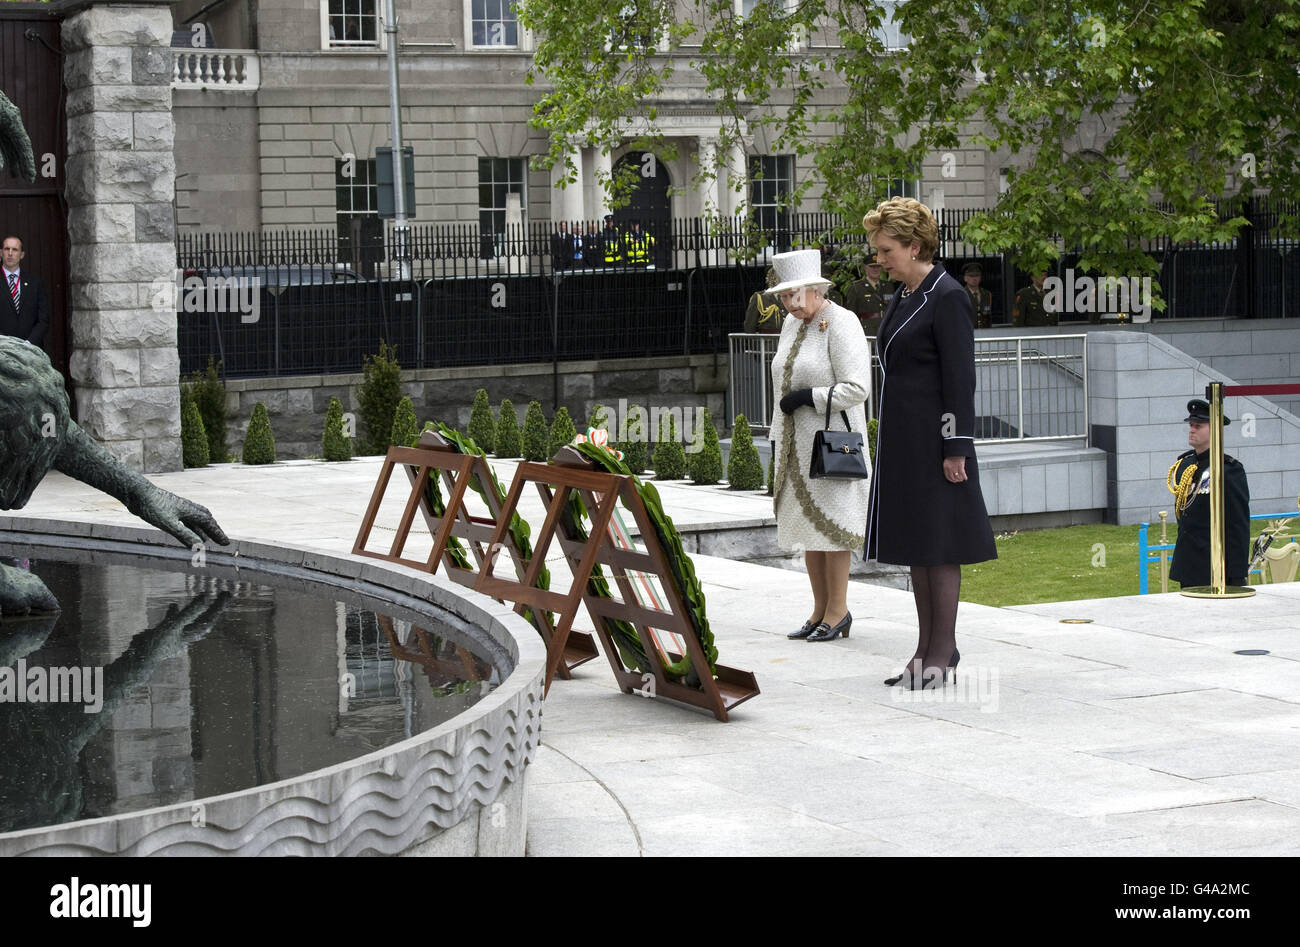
(797, 269)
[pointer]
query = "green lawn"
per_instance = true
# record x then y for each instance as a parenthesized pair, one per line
(1066, 564)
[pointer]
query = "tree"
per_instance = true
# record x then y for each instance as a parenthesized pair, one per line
(482, 426)
(209, 396)
(259, 442)
(335, 445)
(705, 465)
(1187, 100)
(744, 469)
(508, 443)
(381, 389)
(405, 431)
(669, 458)
(562, 432)
(194, 439)
(536, 434)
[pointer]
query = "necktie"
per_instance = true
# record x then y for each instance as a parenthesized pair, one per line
(13, 288)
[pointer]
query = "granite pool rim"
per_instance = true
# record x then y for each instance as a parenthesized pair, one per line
(457, 788)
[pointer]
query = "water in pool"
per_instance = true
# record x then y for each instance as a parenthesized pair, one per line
(154, 688)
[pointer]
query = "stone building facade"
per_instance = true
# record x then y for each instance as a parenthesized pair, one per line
(268, 118)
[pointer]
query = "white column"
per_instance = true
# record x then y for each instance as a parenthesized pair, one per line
(566, 202)
(733, 180)
(707, 193)
(602, 169)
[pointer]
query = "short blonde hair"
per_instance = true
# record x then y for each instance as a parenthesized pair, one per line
(906, 220)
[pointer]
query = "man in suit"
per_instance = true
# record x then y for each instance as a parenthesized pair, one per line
(562, 247)
(26, 311)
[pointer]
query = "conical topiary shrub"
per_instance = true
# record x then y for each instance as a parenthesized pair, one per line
(209, 396)
(508, 442)
(706, 463)
(562, 432)
(406, 430)
(771, 475)
(482, 426)
(378, 396)
(334, 443)
(599, 418)
(744, 469)
(194, 439)
(669, 457)
(873, 429)
(259, 442)
(535, 436)
(636, 449)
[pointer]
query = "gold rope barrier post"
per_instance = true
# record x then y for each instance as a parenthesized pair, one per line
(1218, 587)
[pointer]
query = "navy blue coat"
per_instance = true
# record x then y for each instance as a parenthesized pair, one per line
(927, 412)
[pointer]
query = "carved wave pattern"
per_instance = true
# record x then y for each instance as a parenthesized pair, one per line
(379, 806)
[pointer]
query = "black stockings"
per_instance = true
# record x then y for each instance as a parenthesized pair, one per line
(935, 589)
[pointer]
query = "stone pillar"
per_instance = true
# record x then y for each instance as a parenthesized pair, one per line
(603, 167)
(121, 180)
(733, 179)
(707, 152)
(566, 202)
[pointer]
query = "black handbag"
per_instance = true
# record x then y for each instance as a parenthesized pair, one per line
(837, 455)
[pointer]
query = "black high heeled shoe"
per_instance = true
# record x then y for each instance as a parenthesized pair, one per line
(952, 666)
(808, 628)
(825, 632)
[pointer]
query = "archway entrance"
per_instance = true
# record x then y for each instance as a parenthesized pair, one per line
(650, 205)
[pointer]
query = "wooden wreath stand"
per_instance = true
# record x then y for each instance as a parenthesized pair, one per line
(601, 492)
(480, 533)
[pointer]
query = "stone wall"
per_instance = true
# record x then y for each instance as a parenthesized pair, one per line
(213, 184)
(1138, 389)
(296, 405)
(121, 176)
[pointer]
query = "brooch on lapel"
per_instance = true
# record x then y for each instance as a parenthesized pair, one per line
(821, 326)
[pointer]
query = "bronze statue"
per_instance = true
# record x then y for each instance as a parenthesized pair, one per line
(37, 433)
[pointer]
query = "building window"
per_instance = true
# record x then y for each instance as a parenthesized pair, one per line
(905, 187)
(771, 182)
(890, 33)
(352, 23)
(497, 179)
(632, 32)
(354, 189)
(493, 23)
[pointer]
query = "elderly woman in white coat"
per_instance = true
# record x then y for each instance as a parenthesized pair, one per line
(821, 345)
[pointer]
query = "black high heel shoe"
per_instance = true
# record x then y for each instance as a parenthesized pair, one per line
(808, 628)
(952, 666)
(825, 632)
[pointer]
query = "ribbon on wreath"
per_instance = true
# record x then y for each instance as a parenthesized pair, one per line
(598, 437)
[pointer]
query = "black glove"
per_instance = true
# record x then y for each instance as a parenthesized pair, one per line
(796, 399)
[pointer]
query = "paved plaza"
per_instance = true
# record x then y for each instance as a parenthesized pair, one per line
(1138, 733)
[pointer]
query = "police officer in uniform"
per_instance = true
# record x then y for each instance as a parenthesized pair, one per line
(611, 243)
(981, 300)
(1029, 309)
(1189, 482)
(637, 246)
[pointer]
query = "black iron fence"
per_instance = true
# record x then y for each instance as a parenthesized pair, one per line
(307, 302)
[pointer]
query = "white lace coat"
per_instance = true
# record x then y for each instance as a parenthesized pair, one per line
(819, 515)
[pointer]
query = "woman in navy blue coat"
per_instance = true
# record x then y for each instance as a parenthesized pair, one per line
(926, 509)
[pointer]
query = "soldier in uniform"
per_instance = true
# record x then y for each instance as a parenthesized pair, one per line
(981, 300)
(1189, 482)
(1029, 309)
(869, 296)
(765, 312)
